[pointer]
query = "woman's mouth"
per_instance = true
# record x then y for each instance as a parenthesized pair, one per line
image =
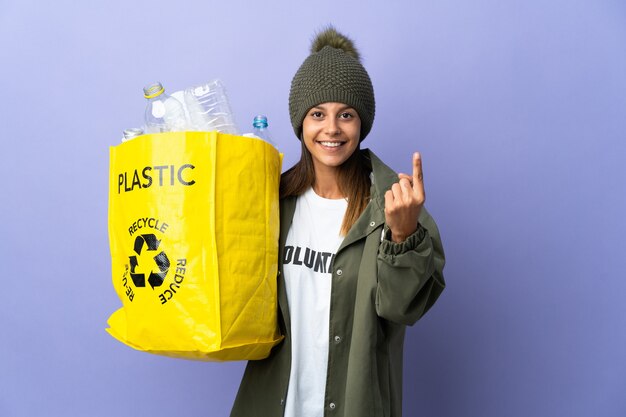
(330, 144)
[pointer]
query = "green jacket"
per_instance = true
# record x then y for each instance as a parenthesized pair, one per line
(378, 288)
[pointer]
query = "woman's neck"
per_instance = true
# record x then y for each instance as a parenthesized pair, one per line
(326, 184)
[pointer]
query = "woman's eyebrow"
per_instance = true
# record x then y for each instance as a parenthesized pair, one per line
(346, 107)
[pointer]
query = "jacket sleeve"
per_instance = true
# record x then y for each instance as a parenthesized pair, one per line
(410, 274)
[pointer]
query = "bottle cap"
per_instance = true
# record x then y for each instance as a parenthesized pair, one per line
(131, 133)
(153, 90)
(260, 121)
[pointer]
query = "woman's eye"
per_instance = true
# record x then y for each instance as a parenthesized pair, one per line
(346, 115)
(316, 114)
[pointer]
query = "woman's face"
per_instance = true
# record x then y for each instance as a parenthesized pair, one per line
(331, 132)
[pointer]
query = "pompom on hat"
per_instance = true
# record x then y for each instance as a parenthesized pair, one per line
(332, 73)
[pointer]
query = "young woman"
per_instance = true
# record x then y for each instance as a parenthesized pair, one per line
(360, 258)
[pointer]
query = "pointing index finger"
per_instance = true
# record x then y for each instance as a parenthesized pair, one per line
(418, 176)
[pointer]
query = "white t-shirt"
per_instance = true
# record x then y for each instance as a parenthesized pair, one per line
(312, 242)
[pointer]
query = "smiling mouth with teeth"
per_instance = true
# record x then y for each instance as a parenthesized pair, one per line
(332, 144)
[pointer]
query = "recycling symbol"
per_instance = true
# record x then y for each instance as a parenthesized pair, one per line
(158, 271)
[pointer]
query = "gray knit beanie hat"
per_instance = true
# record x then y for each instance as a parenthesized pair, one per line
(332, 73)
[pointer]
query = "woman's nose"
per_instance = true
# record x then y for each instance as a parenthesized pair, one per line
(332, 127)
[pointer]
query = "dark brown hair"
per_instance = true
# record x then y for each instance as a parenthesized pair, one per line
(354, 183)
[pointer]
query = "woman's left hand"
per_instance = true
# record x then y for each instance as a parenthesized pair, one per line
(404, 201)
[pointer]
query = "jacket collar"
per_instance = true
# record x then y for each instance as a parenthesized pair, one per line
(373, 217)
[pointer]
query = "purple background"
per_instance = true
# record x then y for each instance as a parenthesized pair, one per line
(518, 107)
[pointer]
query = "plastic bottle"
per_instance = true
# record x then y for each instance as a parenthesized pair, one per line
(209, 108)
(163, 113)
(261, 130)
